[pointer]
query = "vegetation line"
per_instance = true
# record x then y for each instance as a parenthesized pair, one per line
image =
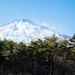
(46, 57)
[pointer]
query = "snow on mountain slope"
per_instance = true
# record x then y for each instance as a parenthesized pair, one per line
(25, 31)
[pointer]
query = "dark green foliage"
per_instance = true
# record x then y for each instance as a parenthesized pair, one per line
(73, 36)
(47, 57)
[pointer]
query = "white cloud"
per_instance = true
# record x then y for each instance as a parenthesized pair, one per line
(53, 27)
(44, 23)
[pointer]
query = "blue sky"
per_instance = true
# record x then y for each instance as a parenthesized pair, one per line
(59, 15)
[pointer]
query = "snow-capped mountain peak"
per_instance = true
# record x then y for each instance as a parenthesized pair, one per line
(25, 31)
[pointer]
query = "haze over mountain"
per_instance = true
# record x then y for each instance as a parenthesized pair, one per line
(25, 31)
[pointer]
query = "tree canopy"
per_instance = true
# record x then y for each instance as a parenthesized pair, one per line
(41, 57)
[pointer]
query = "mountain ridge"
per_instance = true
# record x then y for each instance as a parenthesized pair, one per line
(24, 31)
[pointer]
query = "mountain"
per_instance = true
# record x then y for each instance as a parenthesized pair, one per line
(25, 31)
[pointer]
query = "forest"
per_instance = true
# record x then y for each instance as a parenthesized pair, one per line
(40, 57)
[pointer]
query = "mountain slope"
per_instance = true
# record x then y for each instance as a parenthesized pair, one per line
(25, 31)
